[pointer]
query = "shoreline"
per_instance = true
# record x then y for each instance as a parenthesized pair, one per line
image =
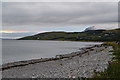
(61, 40)
(56, 40)
(85, 52)
(33, 61)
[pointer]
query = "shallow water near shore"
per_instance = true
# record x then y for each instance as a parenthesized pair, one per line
(19, 50)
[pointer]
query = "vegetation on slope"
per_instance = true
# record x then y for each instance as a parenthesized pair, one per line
(113, 71)
(91, 35)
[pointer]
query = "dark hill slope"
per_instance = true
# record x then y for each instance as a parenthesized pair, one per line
(91, 35)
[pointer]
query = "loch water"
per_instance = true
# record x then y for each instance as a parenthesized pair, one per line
(19, 50)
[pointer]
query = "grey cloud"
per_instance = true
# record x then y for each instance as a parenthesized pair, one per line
(44, 14)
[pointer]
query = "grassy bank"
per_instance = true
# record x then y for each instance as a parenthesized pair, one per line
(113, 70)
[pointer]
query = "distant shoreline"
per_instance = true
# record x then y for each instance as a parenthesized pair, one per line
(55, 40)
(61, 40)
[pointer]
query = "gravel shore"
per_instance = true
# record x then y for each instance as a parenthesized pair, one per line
(77, 64)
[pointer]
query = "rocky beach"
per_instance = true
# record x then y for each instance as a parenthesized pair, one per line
(83, 63)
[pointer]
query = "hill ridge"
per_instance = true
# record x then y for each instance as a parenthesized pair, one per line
(90, 35)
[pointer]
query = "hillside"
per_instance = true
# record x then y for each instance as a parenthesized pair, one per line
(90, 35)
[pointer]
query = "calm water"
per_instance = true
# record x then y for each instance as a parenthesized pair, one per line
(17, 50)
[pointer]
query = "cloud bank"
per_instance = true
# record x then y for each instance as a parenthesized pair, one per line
(51, 16)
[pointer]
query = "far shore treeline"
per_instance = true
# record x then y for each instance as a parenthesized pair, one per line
(90, 35)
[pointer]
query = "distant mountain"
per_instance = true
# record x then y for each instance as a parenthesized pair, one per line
(92, 28)
(88, 35)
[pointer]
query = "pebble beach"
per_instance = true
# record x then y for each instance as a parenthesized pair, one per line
(83, 63)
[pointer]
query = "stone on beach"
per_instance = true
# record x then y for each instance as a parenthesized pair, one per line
(95, 59)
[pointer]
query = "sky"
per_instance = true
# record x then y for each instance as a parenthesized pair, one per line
(28, 18)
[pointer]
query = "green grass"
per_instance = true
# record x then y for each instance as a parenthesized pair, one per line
(113, 71)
